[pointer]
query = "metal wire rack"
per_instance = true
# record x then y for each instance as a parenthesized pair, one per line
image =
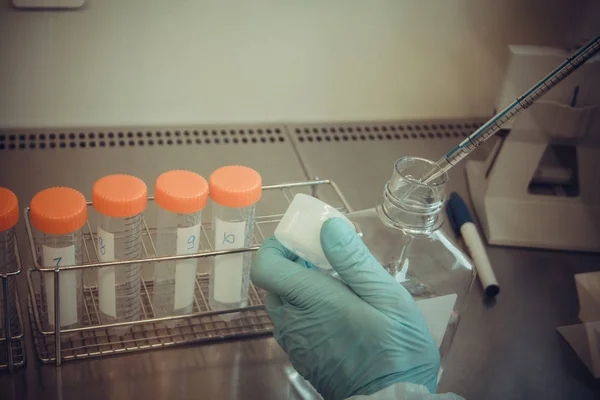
(95, 339)
(12, 340)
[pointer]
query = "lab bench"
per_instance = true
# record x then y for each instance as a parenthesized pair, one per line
(504, 348)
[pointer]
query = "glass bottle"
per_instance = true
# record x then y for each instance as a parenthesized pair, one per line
(403, 233)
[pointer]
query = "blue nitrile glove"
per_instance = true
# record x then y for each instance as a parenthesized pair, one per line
(346, 338)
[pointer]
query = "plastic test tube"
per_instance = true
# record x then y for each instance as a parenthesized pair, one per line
(234, 190)
(181, 196)
(58, 214)
(9, 216)
(120, 199)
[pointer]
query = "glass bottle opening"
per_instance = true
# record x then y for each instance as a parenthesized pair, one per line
(416, 169)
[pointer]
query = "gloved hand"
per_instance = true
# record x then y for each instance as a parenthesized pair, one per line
(346, 338)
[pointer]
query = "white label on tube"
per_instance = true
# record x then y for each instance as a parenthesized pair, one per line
(188, 242)
(228, 268)
(105, 243)
(61, 256)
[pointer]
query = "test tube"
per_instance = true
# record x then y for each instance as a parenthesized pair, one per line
(181, 196)
(234, 190)
(120, 200)
(58, 214)
(9, 216)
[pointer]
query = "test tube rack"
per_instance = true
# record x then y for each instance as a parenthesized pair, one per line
(12, 342)
(95, 339)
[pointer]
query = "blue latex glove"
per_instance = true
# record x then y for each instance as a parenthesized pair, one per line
(346, 338)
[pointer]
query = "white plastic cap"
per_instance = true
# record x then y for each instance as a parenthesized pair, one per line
(300, 228)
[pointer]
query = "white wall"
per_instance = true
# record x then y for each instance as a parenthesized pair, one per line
(174, 61)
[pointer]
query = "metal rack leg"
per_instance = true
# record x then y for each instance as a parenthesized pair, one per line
(57, 348)
(7, 324)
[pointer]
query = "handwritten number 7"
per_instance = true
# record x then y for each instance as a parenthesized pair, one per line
(57, 259)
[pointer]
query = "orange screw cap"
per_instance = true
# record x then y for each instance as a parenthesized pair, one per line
(119, 196)
(235, 186)
(9, 209)
(58, 210)
(181, 192)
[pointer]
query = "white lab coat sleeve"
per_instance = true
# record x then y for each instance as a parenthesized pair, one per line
(407, 391)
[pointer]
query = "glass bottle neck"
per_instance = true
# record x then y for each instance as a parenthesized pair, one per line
(410, 205)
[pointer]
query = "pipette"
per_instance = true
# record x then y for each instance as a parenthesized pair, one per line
(488, 129)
